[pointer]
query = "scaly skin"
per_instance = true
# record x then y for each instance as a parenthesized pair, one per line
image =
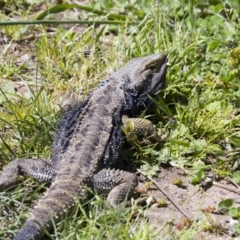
(87, 144)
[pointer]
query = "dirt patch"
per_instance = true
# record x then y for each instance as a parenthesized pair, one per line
(198, 203)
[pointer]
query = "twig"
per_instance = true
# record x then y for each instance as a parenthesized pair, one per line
(164, 193)
(235, 190)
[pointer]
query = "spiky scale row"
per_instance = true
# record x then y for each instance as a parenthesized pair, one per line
(88, 140)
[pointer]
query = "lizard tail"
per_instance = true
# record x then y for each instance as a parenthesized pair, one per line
(60, 198)
(29, 231)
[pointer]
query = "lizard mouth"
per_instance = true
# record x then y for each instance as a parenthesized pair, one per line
(159, 78)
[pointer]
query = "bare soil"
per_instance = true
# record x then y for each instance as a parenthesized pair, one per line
(200, 204)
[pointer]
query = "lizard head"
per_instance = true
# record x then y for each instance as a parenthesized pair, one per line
(144, 77)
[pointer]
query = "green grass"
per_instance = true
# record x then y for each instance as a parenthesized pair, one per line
(202, 95)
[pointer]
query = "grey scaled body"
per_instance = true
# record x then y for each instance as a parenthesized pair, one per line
(87, 144)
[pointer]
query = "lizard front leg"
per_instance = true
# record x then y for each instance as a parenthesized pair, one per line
(118, 184)
(41, 170)
(142, 128)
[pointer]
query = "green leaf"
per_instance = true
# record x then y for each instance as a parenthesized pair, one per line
(213, 45)
(226, 204)
(236, 177)
(215, 67)
(235, 212)
(199, 175)
(181, 143)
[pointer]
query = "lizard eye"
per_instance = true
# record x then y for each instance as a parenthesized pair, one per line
(152, 67)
